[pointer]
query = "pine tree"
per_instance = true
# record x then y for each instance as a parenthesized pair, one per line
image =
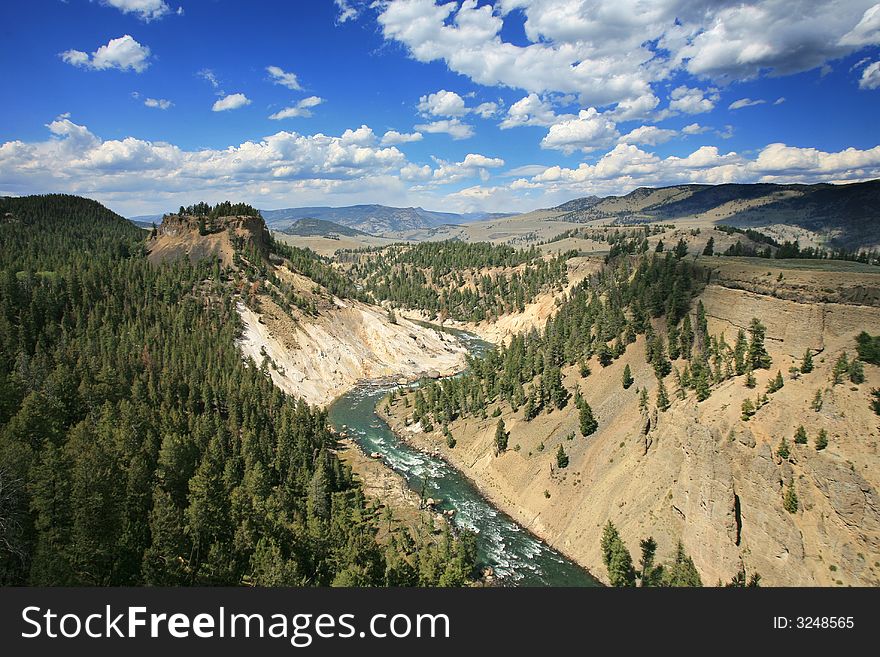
(643, 399)
(800, 436)
(561, 458)
(682, 571)
(710, 247)
(627, 377)
(617, 558)
(662, 396)
(649, 574)
(748, 409)
(790, 499)
(681, 249)
(775, 383)
(817, 402)
(588, 422)
(856, 371)
(821, 440)
(783, 451)
(757, 354)
(841, 368)
(751, 382)
(501, 437)
(739, 353)
(807, 362)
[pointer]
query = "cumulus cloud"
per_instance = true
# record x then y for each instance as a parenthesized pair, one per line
(283, 78)
(745, 102)
(392, 137)
(694, 129)
(473, 164)
(870, 76)
(442, 103)
(302, 109)
(627, 166)
(146, 10)
(73, 159)
(453, 127)
(648, 134)
(230, 102)
(691, 100)
(587, 132)
(486, 110)
(532, 110)
(158, 103)
(123, 53)
(612, 51)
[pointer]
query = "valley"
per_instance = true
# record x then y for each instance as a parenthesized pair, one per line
(655, 366)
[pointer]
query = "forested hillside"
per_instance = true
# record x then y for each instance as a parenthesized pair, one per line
(464, 281)
(137, 447)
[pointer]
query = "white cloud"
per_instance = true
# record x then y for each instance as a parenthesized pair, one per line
(75, 160)
(744, 102)
(694, 129)
(532, 110)
(347, 11)
(486, 110)
(392, 137)
(870, 76)
(208, 75)
(779, 100)
(230, 102)
(473, 165)
(692, 101)
(282, 77)
(453, 127)
(146, 10)
(123, 53)
(158, 103)
(648, 134)
(588, 132)
(640, 108)
(442, 103)
(604, 51)
(302, 109)
(612, 51)
(739, 41)
(866, 32)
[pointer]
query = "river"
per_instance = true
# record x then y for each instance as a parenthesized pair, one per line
(517, 557)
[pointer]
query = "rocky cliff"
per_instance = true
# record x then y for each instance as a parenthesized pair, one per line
(197, 238)
(698, 472)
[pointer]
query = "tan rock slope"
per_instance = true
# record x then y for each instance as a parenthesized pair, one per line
(698, 472)
(320, 358)
(183, 236)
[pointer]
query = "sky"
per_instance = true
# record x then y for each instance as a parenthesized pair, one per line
(506, 106)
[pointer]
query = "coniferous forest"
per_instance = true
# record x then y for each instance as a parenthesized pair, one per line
(137, 447)
(464, 281)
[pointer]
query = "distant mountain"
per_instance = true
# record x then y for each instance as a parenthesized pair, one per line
(146, 220)
(310, 227)
(848, 215)
(372, 219)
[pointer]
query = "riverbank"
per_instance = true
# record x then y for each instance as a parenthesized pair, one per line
(389, 489)
(434, 443)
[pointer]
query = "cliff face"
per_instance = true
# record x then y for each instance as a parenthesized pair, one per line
(197, 238)
(698, 472)
(319, 358)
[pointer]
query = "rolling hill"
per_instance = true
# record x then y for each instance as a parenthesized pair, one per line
(845, 215)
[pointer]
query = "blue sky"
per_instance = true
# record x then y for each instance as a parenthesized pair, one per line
(506, 106)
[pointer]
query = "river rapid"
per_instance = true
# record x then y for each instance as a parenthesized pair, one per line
(517, 557)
